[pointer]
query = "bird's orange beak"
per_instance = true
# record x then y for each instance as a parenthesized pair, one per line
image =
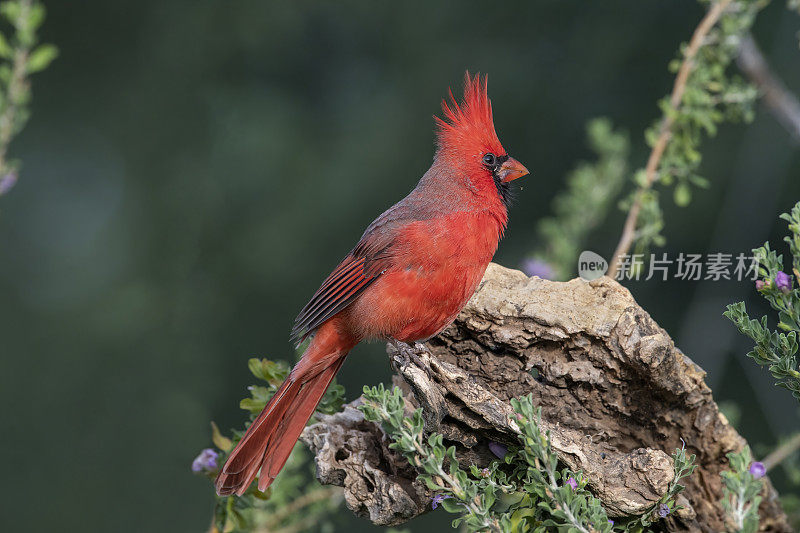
(511, 170)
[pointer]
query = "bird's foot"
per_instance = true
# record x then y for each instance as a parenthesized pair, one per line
(410, 353)
(420, 348)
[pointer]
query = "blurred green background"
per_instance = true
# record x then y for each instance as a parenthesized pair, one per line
(194, 169)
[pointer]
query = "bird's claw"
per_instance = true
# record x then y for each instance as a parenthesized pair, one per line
(410, 353)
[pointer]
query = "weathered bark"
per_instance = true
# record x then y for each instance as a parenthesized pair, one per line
(616, 396)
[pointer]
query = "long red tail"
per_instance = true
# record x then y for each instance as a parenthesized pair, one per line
(272, 435)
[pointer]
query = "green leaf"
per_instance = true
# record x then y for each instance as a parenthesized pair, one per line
(258, 400)
(11, 11)
(452, 505)
(223, 443)
(41, 58)
(272, 372)
(683, 195)
(36, 16)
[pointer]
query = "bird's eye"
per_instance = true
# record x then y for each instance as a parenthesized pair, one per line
(489, 159)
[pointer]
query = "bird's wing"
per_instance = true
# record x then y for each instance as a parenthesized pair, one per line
(368, 260)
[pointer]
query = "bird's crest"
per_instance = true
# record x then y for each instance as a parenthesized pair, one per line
(468, 126)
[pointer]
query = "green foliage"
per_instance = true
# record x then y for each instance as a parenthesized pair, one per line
(741, 492)
(773, 349)
(711, 96)
(560, 505)
(20, 56)
(294, 501)
(527, 492)
(472, 498)
(591, 190)
(776, 350)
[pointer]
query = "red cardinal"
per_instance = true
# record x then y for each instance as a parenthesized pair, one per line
(407, 278)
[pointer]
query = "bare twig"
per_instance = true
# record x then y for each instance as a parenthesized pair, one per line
(783, 451)
(665, 131)
(784, 105)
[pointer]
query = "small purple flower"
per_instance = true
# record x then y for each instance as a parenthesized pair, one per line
(783, 281)
(760, 285)
(610, 521)
(206, 461)
(572, 483)
(663, 510)
(498, 449)
(7, 181)
(758, 469)
(438, 499)
(537, 267)
(486, 472)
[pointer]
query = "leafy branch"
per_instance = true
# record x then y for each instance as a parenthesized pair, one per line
(20, 56)
(560, 493)
(777, 350)
(741, 491)
(702, 96)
